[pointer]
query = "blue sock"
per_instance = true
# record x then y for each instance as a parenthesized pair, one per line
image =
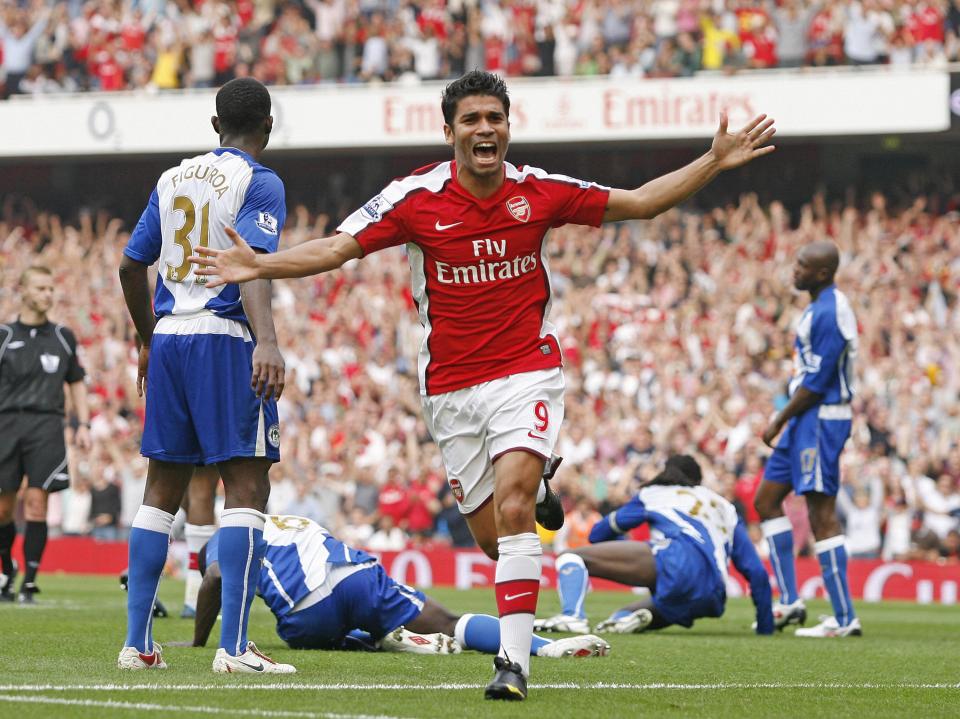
(149, 540)
(481, 632)
(832, 554)
(572, 581)
(240, 555)
(779, 534)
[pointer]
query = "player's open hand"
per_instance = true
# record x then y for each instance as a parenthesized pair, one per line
(236, 264)
(734, 149)
(268, 368)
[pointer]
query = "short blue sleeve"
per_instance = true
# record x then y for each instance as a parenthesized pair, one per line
(144, 244)
(263, 212)
(827, 345)
(616, 524)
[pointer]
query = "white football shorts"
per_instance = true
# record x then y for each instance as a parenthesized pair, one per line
(473, 426)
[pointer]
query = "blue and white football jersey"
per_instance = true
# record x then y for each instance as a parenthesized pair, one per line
(825, 348)
(685, 520)
(190, 206)
(300, 555)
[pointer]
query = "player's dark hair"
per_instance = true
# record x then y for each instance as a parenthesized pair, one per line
(686, 464)
(242, 105)
(672, 477)
(475, 82)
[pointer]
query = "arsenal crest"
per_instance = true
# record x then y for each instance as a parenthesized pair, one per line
(457, 490)
(519, 207)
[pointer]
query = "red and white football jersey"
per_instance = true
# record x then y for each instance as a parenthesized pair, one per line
(479, 267)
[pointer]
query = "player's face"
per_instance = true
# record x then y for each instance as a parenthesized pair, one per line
(38, 292)
(480, 134)
(804, 273)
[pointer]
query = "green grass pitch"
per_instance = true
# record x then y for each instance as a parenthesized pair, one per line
(58, 659)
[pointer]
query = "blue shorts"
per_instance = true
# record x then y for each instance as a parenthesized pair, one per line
(200, 407)
(689, 585)
(369, 600)
(808, 453)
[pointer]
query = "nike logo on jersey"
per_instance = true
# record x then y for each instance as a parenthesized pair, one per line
(441, 228)
(511, 597)
(531, 435)
(16, 345)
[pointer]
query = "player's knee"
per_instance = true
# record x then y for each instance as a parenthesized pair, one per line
(34, 510)
(515, 513)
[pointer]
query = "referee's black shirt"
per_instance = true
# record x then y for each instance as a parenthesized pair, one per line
(35, 361)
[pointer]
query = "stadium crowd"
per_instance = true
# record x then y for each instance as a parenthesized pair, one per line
(677, 338)
(108, 45)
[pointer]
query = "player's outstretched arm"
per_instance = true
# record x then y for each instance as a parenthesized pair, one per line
(747, 562)
(618, 523)
(241, 264)
(729, 150)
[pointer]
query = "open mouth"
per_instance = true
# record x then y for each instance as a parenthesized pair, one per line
(485, 151)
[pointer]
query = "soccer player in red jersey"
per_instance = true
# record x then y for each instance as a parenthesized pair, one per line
(490, 364)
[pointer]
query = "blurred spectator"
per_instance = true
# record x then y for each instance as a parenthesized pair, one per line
(862, 516)
(76, 508)
(388, 537)
(104, 508)
(576, 527)
(124, 44)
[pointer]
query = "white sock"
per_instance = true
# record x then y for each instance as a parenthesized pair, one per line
(196, 535)
(517, 587)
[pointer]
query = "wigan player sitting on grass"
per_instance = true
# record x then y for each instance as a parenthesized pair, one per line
(695, 533)
(326, 595)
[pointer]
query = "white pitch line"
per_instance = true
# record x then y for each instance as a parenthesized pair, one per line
(143, 706)
(289, 686)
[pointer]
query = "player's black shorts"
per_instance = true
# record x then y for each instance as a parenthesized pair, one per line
(32, 444)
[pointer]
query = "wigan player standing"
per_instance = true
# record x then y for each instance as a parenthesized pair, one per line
(490, 364)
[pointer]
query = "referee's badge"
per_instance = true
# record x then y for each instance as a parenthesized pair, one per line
(50, 363)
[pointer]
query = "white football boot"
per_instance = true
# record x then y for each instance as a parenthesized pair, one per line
(584, 646)
(131, 658)
(830, 627)
(634, 622)
(403, 640)
(562, 623)
(251, 661)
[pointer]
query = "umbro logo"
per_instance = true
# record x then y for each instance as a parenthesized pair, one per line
(441, 228)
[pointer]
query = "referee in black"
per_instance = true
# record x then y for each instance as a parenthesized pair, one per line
(37, 357)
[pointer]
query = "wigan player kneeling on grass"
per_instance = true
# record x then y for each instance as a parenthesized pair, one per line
(695, 533)
(326, 595)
